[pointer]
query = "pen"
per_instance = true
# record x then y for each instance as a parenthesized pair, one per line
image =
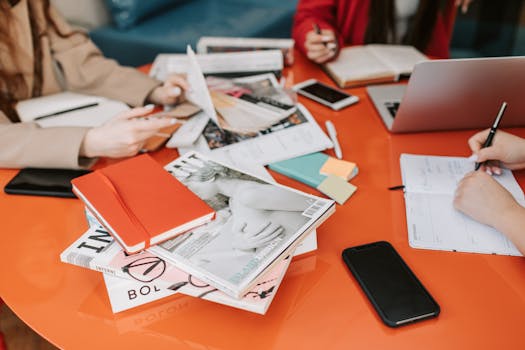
(493, 129)
(333, 136)
(89, 105)
(317, 30)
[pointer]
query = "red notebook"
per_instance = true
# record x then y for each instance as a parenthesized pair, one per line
(140, 203)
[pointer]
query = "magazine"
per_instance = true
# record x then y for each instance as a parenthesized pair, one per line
(212, 44)
(294, 136)
(137, 279)
(228, 64)
(257, 224)
(125, 294)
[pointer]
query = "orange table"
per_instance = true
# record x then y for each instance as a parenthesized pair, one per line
(318, 306)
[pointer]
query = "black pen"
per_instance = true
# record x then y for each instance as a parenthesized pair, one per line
(89, 105)
(317, 30)
(493, 129)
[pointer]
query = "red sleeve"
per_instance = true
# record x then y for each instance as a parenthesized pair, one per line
(322, 12)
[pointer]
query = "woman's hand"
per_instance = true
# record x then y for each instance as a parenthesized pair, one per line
(481, 197)
(123, 136)
(322, 47)
(171, 92)
(507, 149)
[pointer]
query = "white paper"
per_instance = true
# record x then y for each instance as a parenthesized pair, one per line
(198, 92)
(432, 220)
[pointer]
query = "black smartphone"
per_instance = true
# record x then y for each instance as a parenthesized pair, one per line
(44, 182)
(395, 292)
(324, 94)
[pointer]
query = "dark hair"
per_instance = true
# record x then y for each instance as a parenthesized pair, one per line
(12, 84)
(382, 24)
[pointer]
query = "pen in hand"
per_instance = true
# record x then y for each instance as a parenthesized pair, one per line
(492, 132)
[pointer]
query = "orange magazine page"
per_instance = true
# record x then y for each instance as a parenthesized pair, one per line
(140, 203)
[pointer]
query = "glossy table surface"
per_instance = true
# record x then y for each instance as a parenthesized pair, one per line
(318, 306)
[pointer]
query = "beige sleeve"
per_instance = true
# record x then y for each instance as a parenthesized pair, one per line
(86, 70)
(28, 145)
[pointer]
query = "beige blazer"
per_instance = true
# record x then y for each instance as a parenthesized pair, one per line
(74, 64)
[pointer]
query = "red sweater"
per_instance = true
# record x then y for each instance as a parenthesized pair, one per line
(349, 19)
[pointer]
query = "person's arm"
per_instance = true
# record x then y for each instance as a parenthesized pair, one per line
(321, 13)
(481, 197)
(28, 145)
(263, 196)
(86, 70)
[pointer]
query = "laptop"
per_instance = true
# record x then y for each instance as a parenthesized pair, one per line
(454, 94)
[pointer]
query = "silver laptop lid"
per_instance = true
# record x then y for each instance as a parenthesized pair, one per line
(462, 94)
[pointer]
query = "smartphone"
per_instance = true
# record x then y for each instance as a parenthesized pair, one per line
(324, 94)
(395, 292)
(44, 182)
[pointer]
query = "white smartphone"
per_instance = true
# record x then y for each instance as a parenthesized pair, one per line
(324, 94)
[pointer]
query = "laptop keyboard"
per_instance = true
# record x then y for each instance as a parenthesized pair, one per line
(392, 108)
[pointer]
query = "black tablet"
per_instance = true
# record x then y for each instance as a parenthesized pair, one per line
(44, 182)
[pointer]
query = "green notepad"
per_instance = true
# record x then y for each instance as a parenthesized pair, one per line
(307, 169)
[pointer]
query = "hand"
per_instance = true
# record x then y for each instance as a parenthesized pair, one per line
(251, 228)
(320, 47)
(481, 197)
(123, 136)
(464, 4)
(171, 92)
(506, 148)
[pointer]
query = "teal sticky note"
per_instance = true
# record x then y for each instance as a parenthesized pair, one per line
(304, 168)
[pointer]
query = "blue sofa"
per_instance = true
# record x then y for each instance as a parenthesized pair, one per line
(171, 28)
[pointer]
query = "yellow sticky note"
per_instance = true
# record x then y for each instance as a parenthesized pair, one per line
(338, 167)
(337, 189)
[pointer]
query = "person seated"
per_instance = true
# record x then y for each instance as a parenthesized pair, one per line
(43, 55)
(322, 27)
(481, 197)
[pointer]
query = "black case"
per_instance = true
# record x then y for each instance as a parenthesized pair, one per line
(371, 297)
(44, 182)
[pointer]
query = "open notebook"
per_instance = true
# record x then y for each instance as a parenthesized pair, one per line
(432, 221)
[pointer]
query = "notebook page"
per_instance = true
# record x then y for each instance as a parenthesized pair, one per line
(400, 58)
(357, 63)
(434, 174)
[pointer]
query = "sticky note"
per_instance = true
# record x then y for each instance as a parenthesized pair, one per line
(342, 168)
(337, 188)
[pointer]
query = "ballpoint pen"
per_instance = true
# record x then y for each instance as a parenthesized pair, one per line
(333, 136)
(493, 129)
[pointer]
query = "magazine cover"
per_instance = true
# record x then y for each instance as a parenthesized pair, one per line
(257, 223)
(125, 294)
(136, 279)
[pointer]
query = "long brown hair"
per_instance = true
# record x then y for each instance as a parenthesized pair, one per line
(382, 24)
(12, 83)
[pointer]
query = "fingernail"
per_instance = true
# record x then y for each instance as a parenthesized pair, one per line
(473, 158)
(497, 171)
(488, 171)
(331, 45)
(326, 38)
(176, 91)
(149, 106)
(173, 121)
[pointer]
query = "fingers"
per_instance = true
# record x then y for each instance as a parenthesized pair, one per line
(476, 141)
(320, 47)
(176, 80)
(134, 113)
